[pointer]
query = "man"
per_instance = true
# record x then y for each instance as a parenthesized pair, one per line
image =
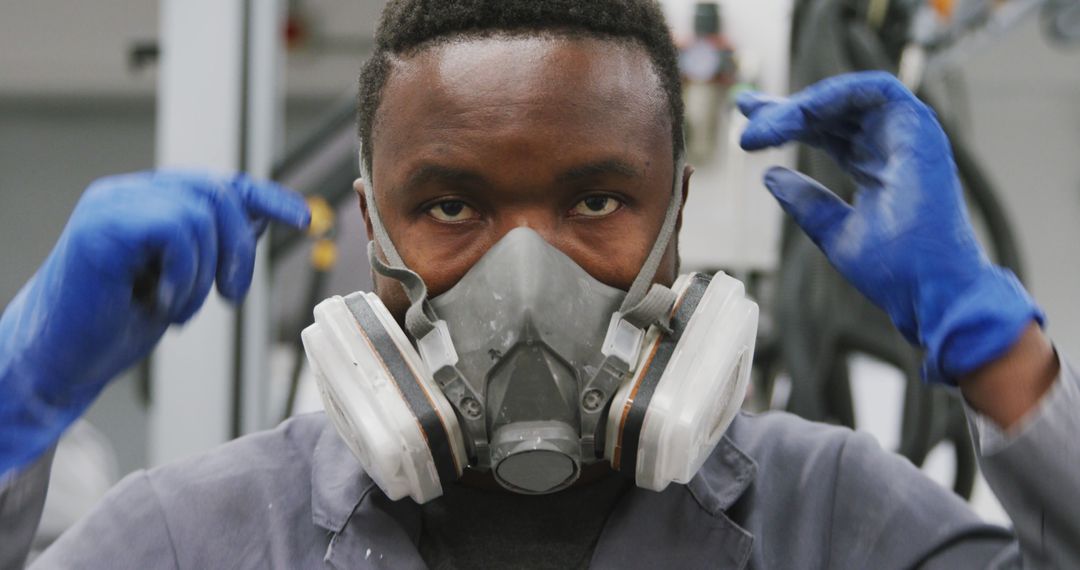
(481, 117)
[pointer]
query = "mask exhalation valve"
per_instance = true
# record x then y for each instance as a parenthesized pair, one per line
(536, 457)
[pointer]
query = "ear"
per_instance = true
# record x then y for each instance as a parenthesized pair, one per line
(358, 185)
(688, 172)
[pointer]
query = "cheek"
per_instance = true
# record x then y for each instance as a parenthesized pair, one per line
(613, 260)
(439, 261)
(441, 257)
(614, 253)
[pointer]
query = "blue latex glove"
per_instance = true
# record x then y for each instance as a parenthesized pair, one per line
(906, 242)
(78, 322)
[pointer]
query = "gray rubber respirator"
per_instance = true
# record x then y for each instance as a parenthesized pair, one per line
(531, 368)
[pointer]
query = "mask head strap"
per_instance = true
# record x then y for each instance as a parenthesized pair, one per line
(647, 303)
(420, 318)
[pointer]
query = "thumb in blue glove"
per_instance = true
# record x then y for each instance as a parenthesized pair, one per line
(79, 321)
(905, 242)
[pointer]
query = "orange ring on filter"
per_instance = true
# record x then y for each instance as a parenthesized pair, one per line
(406, 380)
(648, 376)
(616, 454)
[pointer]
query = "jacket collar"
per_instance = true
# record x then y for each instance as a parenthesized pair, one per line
(368, 529)
(338, 484)
(683, 526)
(724, 477)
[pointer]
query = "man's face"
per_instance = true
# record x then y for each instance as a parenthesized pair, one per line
(570, 137)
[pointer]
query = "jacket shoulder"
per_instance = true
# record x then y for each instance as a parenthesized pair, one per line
(251, 493)
(790, 450)
(871, 508)
(777, 438)
(243, 504)
(282, 454)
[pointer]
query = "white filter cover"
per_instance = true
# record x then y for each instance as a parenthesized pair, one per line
(366, 405)
(702, 388)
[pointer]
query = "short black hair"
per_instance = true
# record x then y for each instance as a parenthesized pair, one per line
(408, 26)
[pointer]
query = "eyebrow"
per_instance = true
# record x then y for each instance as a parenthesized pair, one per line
(606, 167)
(449, 175)
(444, 174)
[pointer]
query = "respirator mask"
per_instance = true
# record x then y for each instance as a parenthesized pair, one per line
(532, 369)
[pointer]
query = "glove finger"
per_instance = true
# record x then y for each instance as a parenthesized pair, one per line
(260, 199)
(241, 209)
(199, 218)
(179, 268)
(235, 242)
(258, 226)
(270, 200)
(749, 102)
(817, 107)
(862, 161)
(816, 209)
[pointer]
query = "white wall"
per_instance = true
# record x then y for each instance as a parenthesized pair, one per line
(1025, 111)
(61, 47)
(49, 152)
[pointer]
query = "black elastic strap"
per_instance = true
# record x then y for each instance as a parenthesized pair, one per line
(415, 395)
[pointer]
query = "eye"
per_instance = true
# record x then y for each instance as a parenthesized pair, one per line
(596, 206)
(452, 211)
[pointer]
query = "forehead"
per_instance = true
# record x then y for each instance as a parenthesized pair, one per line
(527, 96)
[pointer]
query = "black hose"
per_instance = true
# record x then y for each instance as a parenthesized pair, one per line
(315, 140)
(334, 187)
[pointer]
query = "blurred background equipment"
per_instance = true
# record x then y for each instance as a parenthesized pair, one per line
(726, 47)
(1061, 22)
(709, 69)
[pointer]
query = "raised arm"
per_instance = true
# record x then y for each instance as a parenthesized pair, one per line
(907, 244)
(139, 254)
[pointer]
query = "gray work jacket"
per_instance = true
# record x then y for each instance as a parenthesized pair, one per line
(778, 492)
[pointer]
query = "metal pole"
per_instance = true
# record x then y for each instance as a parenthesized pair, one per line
(264, 145)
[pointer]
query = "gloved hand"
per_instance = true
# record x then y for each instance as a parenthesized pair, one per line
(82, 318)
(906, 242)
